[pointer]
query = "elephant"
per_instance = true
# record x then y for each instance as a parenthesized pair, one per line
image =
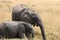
(23, 13)
(15, 29)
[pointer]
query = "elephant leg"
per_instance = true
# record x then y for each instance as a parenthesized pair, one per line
(21, 39)
(32, 35)
(2, 38)
(28, 36)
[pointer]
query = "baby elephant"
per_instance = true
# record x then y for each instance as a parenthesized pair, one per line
(16, 29)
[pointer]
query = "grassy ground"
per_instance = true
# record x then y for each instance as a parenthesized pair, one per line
(49, 10)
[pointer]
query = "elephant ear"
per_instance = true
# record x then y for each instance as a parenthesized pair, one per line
(25, 16)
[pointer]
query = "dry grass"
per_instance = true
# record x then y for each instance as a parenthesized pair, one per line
(49, 10)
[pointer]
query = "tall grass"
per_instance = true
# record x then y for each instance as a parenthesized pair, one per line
(49, 10)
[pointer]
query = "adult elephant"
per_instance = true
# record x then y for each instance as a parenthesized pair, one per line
(22, 13)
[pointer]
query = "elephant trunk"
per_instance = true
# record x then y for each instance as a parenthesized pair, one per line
(36, 20)
(42, 29)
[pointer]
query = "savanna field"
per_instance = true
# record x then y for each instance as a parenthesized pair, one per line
(49, 11)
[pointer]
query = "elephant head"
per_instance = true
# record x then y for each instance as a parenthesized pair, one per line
(27, 15)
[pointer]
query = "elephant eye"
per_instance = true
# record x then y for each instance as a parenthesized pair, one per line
(26, 14)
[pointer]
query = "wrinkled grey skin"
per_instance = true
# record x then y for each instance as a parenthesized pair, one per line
(22, 13)
(15, 29)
